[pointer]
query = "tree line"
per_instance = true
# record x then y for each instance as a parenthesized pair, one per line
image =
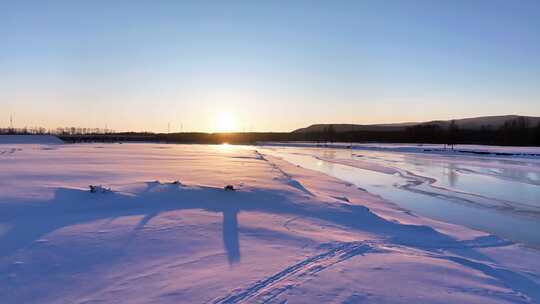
(55, 131)
(517, 132)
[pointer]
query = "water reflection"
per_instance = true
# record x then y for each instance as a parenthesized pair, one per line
(451, 173)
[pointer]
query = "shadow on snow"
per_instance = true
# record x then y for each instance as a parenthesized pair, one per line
(71, 206)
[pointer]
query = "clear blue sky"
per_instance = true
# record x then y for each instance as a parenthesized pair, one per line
(266, 65)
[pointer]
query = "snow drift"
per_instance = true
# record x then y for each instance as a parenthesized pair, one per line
(30, 139)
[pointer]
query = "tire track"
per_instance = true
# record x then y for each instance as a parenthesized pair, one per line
(269, 288)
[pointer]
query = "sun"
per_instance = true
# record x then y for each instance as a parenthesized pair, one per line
(226, 122)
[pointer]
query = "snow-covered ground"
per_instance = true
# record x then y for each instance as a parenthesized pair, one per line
(30, 139)
(286, 235)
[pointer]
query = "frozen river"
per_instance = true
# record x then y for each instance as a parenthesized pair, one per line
(497, 195)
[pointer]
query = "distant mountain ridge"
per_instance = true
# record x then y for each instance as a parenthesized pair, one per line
(474, 123)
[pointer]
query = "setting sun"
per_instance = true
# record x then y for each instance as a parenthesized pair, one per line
(226, 122)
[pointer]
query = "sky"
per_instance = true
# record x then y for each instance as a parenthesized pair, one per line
(264, 65)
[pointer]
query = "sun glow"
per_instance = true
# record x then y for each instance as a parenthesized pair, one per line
(226, 122)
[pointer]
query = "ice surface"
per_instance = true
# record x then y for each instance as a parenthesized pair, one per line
(498, 196)
(467, 150)
(287, 234)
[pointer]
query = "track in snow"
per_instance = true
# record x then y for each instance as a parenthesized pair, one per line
(269, 288)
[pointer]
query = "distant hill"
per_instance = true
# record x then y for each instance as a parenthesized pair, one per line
(339, 128)
(475, 123)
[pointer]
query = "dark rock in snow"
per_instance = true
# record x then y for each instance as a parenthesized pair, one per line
(99, 189)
